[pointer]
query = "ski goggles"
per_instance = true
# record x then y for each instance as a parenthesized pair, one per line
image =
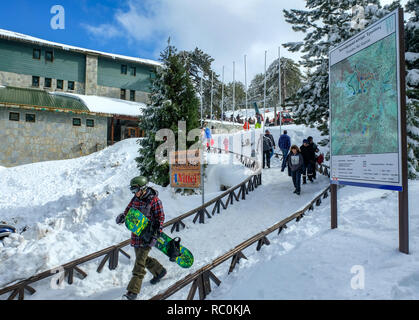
(135, 189)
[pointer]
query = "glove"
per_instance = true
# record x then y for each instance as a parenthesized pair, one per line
(152, 242)
(120, 218)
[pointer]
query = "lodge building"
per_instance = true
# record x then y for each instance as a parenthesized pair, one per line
(59, 101)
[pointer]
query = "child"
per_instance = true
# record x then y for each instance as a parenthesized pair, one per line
(295, 163)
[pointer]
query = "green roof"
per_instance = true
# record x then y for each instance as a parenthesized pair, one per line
(40, 98)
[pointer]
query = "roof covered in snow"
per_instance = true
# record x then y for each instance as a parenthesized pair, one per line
(6, 34)
(106, 105)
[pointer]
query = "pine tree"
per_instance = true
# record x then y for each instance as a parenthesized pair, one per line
(291, 80)
(326, 24)
(412, 86)
(173, 98)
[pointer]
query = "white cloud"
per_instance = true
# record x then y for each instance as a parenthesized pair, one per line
(227, 30)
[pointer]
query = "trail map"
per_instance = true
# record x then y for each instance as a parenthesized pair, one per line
(364, 101)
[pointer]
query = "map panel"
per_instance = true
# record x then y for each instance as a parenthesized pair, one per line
(364, 101)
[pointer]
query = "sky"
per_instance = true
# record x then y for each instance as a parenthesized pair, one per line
(226, 30)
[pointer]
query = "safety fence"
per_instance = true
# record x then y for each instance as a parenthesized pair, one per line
(111, 254)
(201, 279)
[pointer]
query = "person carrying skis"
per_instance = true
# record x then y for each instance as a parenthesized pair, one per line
(284, 144)
(145, 200)
(295, 163)
(308, 154)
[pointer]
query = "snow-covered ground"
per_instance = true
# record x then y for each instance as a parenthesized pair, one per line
(69, 208)
(358, 260)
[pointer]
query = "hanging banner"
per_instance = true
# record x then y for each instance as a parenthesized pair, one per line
(185, 169)
(365, 108)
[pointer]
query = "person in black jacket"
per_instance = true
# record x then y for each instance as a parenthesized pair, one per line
(314, 146)
(309, 157)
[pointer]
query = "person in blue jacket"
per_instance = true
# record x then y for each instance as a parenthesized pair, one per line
(208, 136)
(284, 143)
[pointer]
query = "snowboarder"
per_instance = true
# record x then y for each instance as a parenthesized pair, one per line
(295, 164)
(284, 144)
(146, 200)
(308, 154)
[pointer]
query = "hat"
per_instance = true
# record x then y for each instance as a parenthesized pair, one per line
(305, 141)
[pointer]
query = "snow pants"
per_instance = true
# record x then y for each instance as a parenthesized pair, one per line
(142, 262)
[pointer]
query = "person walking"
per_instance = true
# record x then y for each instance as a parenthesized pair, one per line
(295, 164)
(314, 146)
(284, 143)
(308, 154)
(267, 146)
(145, 200)
(270, 136)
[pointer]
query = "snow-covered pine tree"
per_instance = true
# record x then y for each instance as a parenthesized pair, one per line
(326, 24)
(291, 79)
(412, 86)
(173, 99)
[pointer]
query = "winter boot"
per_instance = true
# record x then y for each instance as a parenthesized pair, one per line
(310, 178)
(304, 180)
(129, 296)
(158, 277)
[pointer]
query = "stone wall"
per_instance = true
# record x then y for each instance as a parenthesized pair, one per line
(91, 75)
(51, 137)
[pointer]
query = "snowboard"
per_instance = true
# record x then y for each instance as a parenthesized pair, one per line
(137, 222)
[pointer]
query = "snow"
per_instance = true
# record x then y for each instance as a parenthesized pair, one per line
(107, 105)
(413, 77)
(20, 36)
(412, 56)
(69, 208)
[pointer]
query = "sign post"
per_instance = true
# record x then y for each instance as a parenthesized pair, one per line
(367, 102)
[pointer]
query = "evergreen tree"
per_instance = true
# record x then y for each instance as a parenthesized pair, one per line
(326, 24)
(199, 64)
(412, 85)
(291, 80)
(173, 99)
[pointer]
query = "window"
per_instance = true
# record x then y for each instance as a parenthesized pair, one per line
(90, 123)
(133, 71)
(48, 82)
(36, 54)
(77, 122)
(123, 69)
(30, 117)
(70, 85)
(14, 116)
(123, 92)
(35, 81)
(49, 56)
(132, 95)
(60, 84)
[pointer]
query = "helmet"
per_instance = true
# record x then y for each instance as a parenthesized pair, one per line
(140, 181)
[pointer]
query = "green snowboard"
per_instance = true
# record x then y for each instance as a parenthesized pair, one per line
(137, 222)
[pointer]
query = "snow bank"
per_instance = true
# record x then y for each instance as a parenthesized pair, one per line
(310, 261)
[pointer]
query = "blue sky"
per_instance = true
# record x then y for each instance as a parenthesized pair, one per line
(26, 17)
